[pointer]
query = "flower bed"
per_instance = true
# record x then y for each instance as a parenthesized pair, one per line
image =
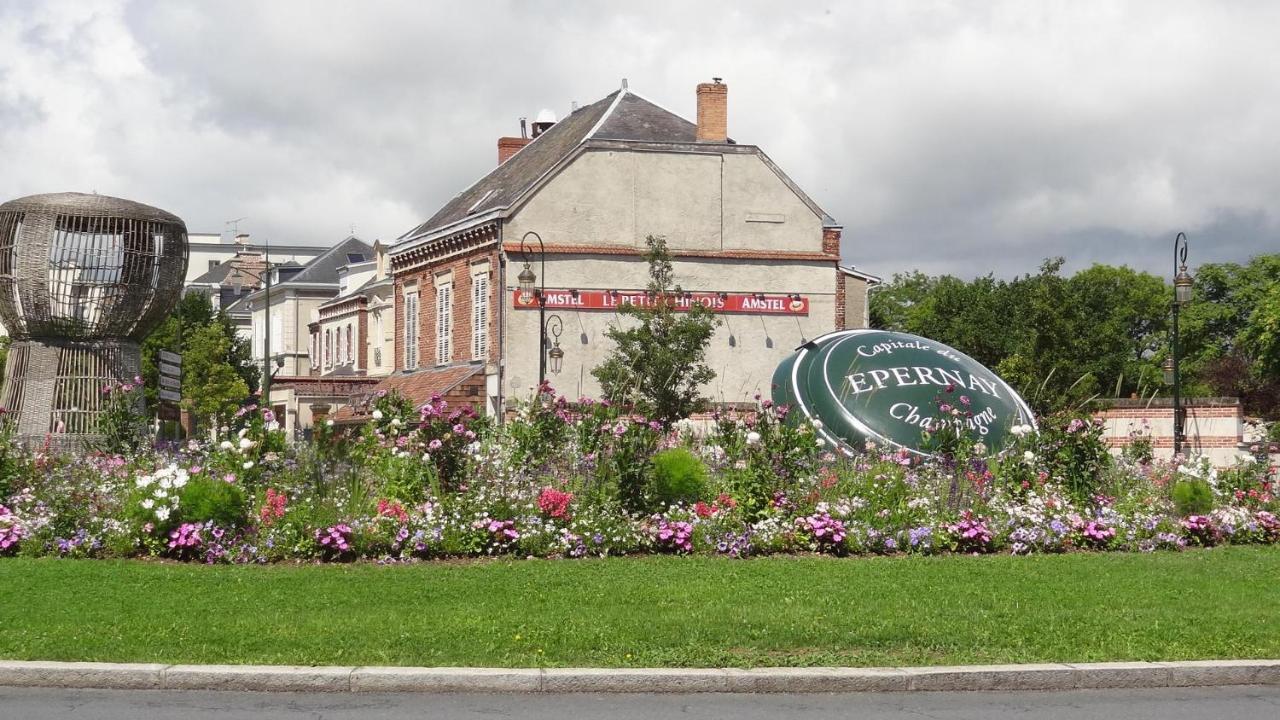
(585, 479)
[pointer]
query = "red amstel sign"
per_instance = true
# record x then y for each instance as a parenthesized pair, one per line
(754, 303)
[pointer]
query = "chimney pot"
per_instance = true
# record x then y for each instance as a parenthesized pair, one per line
(713, 112)
(508, 146)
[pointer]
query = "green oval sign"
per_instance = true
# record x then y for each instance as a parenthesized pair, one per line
(892, 388)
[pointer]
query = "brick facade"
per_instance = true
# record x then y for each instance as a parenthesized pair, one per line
(713, 112)
(457, 267)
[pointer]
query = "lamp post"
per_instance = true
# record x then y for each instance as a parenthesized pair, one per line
(265, 278)
(554, 326)
(1182, 284)
(527, 280)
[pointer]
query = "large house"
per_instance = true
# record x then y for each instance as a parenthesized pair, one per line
(574, 204)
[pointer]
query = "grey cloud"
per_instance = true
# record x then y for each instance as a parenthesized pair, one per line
(952, 137)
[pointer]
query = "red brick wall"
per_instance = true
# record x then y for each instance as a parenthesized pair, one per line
(831, 241)
(508, 146)
(459, 267)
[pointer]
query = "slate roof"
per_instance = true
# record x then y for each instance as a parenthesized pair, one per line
(510, 179)
(619, 116)
(217, 274)
(324, 268)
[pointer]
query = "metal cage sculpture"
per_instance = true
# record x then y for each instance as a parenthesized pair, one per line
(83, 280)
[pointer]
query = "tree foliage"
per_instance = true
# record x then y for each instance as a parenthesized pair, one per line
(1060, 340)
(212, 389)
(657, 363)
(211, 357)
(1104, 330)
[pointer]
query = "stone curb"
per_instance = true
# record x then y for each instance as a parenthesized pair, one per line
(1046, 676)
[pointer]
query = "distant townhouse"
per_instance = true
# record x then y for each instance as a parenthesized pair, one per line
(286, 314)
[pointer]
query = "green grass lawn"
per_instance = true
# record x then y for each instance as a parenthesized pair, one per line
(656, 611)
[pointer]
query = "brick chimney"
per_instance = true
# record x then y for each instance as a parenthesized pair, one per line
(713, 111)
(508, 146)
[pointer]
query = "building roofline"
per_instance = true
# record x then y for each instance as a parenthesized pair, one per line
(852, 272)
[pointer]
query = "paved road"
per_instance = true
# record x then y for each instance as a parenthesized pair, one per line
(1234, 703)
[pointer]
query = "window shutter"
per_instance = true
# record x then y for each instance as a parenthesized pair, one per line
(444, 324)
(480, 317)
(411, 331)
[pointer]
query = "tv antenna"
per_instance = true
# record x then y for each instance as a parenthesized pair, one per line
(235, 226)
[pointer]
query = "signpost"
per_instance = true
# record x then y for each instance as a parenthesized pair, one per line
(170, 391)
(893, 388)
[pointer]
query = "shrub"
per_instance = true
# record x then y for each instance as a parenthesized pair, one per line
(1075, 453)
(678, 477)
(206, 499)
(1192, 497)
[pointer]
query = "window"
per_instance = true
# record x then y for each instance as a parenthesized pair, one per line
(350, 345)
(337, 346)
(328, 348)
(257, 337)
(355, 258)
(480, 316)
(411, 331)
(444, 323)
(312, 357)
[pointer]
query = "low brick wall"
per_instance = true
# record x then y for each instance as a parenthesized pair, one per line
(1214, 426)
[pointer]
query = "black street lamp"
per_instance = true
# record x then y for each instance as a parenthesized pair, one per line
(264, 278)
(555, 326)
(527, 280)
(1182, 284)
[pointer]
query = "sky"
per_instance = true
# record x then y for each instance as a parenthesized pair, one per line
(949, 137)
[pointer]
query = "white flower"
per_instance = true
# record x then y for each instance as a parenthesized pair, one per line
(243, 432)
(245, 443)
(328, 423)
(979, 449)
(166, 483)
(181, 480)
(143, 481)
(1029, 456)
(395, 422)
(753, 437)
(148, 504)
(1021, 430)
(225, 445)
(822, 443)
(248, 464)
(161, 493)
(377, 414)
(162, 513)
(817, 424)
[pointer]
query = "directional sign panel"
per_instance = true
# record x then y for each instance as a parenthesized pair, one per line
(170, 357)
(170, 370)
(170, 383)
(170, 395)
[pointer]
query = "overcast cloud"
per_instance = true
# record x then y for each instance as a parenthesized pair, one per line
(950, 137)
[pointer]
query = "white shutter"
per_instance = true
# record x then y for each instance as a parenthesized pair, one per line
(444, 324)
(411, 331)
(480, 317)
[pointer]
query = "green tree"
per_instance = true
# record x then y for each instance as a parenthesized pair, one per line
(193, 312)
(1060, 340)
(657, 363)
(212, 388)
